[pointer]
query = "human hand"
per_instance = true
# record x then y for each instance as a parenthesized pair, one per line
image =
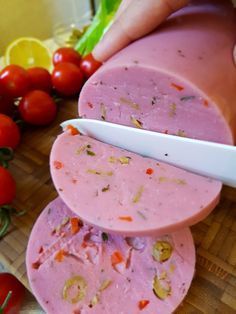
(134, 19)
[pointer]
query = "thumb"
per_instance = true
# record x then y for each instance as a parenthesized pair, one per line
(123, 6)
(138, 19)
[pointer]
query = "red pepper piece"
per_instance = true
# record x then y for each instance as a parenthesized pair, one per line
(205, 103)
(178, 87)
(40, 250)
(126, 218)
(149, 171)
(90, 105)
(72, 130)
(58, 165)
(74, 225)
(36, 265)
(116, 258)
(59, 256)
(143, 303)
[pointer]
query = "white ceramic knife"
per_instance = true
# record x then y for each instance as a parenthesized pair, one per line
(210, 159)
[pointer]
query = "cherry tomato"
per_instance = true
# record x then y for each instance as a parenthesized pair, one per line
(40, 79)
(7, 187)
(66, 54)
(67, 78)
(9, 132)
(15, 81)
(37, 108)
(89, 65)
(10, 283)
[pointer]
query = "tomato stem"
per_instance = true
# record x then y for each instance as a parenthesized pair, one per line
(5, 218)
(6, 154)
(13, 211)
(21, 124)
(5, 302)
(56, 98)
(5, 221)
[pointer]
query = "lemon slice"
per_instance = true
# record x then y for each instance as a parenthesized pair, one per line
(28, 52)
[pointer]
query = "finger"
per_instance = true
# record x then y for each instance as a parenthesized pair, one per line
(123, 6)
(138, 19)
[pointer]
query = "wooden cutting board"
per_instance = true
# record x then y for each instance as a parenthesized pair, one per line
(214, 287)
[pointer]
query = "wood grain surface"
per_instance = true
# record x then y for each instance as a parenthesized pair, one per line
(214, 287)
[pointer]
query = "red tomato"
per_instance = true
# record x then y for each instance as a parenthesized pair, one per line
(89, 65)
(66, 54)
(67, 78)
(38, 108)
(7, 188)
(10, 283)
(9, 132)
(15, 81)
(40, 79)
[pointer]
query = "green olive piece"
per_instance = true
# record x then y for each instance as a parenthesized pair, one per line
(105, 284)
(77, 282)
(94, 300)
(124, 160)
(160, 291)
(161, 251)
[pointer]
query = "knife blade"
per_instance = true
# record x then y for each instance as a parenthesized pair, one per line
(214, 160)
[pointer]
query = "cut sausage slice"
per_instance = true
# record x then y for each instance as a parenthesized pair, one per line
(75, 268)
(123, 192)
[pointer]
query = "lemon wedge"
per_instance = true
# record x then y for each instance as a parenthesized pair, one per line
(28, 52)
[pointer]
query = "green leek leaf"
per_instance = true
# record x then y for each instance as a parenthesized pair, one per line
(101, 22)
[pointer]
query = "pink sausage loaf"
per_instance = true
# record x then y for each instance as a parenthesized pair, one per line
(125, 193)
(179, 80)
(84, 271)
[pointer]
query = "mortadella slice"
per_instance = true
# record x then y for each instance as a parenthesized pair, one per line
(122, 192)
(77, 269)
(179, 80)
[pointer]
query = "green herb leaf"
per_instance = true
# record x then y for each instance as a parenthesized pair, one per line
(6, 211)
(5, 303)
(104, 173)
(138, 195)
(6, 154)
(130, 103)
(106, 188)
(5, 221)
(103, 111)
(98, 27)
(185, 98)
(172, 111)
(105, 284)
(124, 160)
(181, 133)
(90, 153)
(105, 236)
(141, 215)
(136, 122)
(110, 6)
